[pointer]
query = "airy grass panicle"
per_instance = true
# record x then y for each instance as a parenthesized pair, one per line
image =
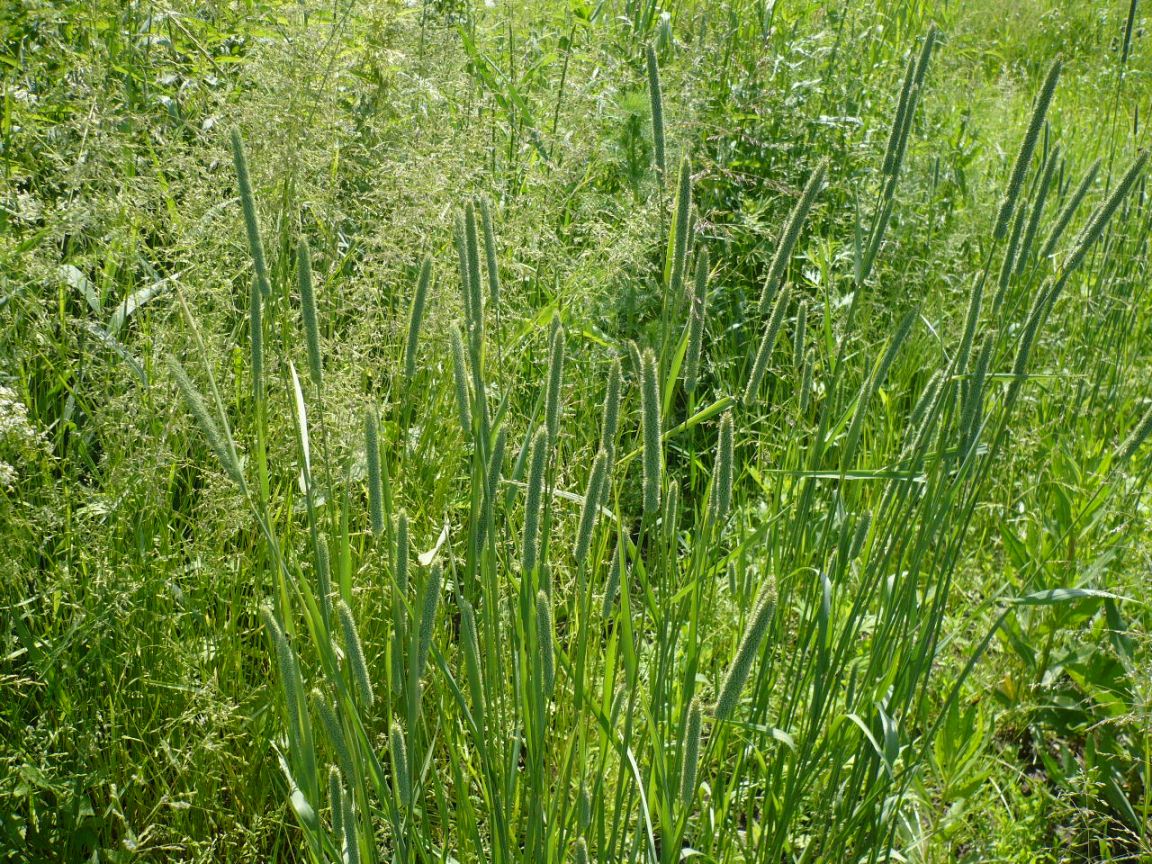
(1024, 156)
(650, 421)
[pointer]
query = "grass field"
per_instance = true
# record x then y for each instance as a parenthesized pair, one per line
(568, 431)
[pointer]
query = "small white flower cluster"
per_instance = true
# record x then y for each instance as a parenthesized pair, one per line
(16, 433)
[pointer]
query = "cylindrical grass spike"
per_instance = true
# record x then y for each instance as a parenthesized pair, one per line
(691, 754)
(375, 486)
(399, 610)
(696, 315)
(745, 655)
(1025, 253)
(861, 535)
(1024, 156)
(348, 819)
(229, 461)
(458, 239)
(335, 800)
(580, 851)
(1070, 210)
(898, 119)
(798, 336)
(767, 343)
(611, 416)
(475, 293)
(1008, 265)
(256, 340)
(650, 420)
(1132, 443)
(971, 320)
(555, 383)
(612, 586)
(490, 254)
(1104, 213)
(592, 498)
(722, 476)
(335, 732)
(460, 377)
(355, 652)
(534, 502)
(248, 205)
(428, 605)
(308, 311)
(399, 746)
(681, 230)
(324, 578)
(544, 634)
(657, 101)
(788, 237)
(415, 317)
(805, 395)
(470, 645)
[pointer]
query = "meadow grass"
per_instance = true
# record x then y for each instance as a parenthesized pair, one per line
(613, 432)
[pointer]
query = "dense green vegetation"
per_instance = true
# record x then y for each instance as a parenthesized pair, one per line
(454, 431)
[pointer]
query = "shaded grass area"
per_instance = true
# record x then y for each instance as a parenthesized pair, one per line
(138, 720)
